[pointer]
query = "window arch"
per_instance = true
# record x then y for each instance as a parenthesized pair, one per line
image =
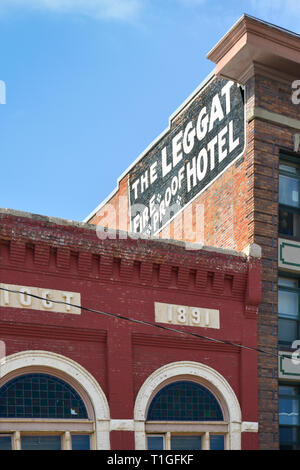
(48, 401)
(40, 396)
(184, 401)
(214, 424)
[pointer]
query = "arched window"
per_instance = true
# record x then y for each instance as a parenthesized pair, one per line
(50, 402)
(40, 396)
(184, 401)
(187, 405)
(174, 406)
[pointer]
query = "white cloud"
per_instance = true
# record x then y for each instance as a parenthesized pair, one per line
(106, 9)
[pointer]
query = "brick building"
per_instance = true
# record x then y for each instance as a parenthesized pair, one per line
(230, 191)
(72, 377)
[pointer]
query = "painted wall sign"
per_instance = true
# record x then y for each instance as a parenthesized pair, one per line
(209, 135)
(25, 301)
(289, 254)
(287, 368)
(186, 316)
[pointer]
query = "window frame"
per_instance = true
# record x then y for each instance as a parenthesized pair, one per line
(169, 428)
(205, 437)
(66, 437)
(290, 426)
(16, 427)
(285, 158)
(74, 374)
(10, 435)
(35, 379)
(281, 316)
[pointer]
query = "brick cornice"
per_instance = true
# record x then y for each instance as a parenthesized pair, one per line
(20, 230)
(252, 41)
(52, 332)
(76, 251)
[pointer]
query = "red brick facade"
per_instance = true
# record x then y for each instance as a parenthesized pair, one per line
(126, 277)
(241, 206)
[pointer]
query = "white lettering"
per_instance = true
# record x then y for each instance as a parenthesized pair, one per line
(211, 148)
(166, 168)
(134, 187)
(202, 123)
(226, 91)
(232, 143)
(202, 164)
(144, 182)
(216, 111)
(189, 138)
(153, 174)
(221, 143)
(176, 149)
(136, 222)
(191, 171)
(192, 316)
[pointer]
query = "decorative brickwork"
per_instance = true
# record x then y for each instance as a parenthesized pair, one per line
(126, 277)
(241, 206)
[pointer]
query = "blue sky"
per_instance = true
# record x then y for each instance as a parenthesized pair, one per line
(90, 83)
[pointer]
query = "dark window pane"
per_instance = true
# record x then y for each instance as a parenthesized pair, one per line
(216, 442)
(186, 442)
(184, 401)
(40, 443)
(80, 442)
(155, 443)
(287, 435)
(287, 331)
(286, 222)
(289, 438)
(35, 390)
(5, 443)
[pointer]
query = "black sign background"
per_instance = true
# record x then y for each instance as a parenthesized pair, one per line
(183, 197)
